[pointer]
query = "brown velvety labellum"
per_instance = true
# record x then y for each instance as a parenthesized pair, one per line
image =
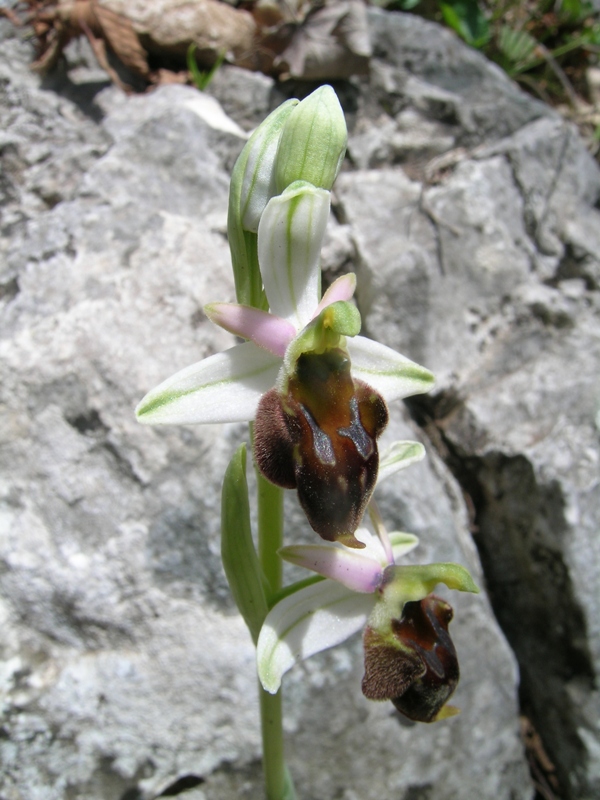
(424, 627)
(419, 671)
(322, 439)
(390, 669)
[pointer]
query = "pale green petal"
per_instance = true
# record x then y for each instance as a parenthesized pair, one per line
(393, 375)
(225, 387)
(397, 456)
(290, 236)
(313, 619)
(402, 543)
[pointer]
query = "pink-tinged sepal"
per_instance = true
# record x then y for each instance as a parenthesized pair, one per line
(355, 569)
(413, 664)
(342, 288)
(269, 332)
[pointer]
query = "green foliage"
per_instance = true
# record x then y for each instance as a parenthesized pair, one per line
(518, 47)
(545, 44)
(466, 17)
(202, 79)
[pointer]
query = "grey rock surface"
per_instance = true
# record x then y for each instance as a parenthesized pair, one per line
(125, 669)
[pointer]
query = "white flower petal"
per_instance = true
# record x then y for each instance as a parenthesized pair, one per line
(374, 547)
(397, 456)
(302, 624)
(225, 387)
(360, 573)
(290, 236)
(393, 375)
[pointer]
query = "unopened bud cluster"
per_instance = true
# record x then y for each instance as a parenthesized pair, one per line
(300, 141)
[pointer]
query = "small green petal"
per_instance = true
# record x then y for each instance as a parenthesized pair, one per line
(408, 583)
(324, 332)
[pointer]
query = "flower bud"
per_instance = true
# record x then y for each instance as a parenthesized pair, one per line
(313, 142)
(252, 184)
(258, 178)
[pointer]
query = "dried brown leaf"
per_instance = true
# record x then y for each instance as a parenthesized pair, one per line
(332, 42)
(123, 40)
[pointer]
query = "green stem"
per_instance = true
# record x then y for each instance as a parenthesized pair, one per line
(272, 737)
(257, 294)
(270, 534)
(278, 783)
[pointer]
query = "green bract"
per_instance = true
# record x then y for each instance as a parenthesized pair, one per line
(252, 185)
(240, 561)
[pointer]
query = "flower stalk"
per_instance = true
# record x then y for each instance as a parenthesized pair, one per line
(278, 783)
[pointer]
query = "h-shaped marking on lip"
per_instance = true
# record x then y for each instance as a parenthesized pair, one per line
(321, 441)
(355, 431)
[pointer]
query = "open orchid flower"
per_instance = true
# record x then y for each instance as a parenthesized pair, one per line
(368, 586)
(316, 389)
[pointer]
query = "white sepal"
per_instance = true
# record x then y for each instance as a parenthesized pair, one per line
(290, 236)
(310, 620)
(391, 374)
(225, 387)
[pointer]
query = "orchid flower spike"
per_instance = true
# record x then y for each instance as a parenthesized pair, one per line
(409, 656)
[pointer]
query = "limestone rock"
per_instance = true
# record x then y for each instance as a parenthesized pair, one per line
(126, 672)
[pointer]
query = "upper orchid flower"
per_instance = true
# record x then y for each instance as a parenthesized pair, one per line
(317, 429)
(409, 657)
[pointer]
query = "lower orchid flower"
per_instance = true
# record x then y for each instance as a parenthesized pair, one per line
(409, 656)
(315, 388)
